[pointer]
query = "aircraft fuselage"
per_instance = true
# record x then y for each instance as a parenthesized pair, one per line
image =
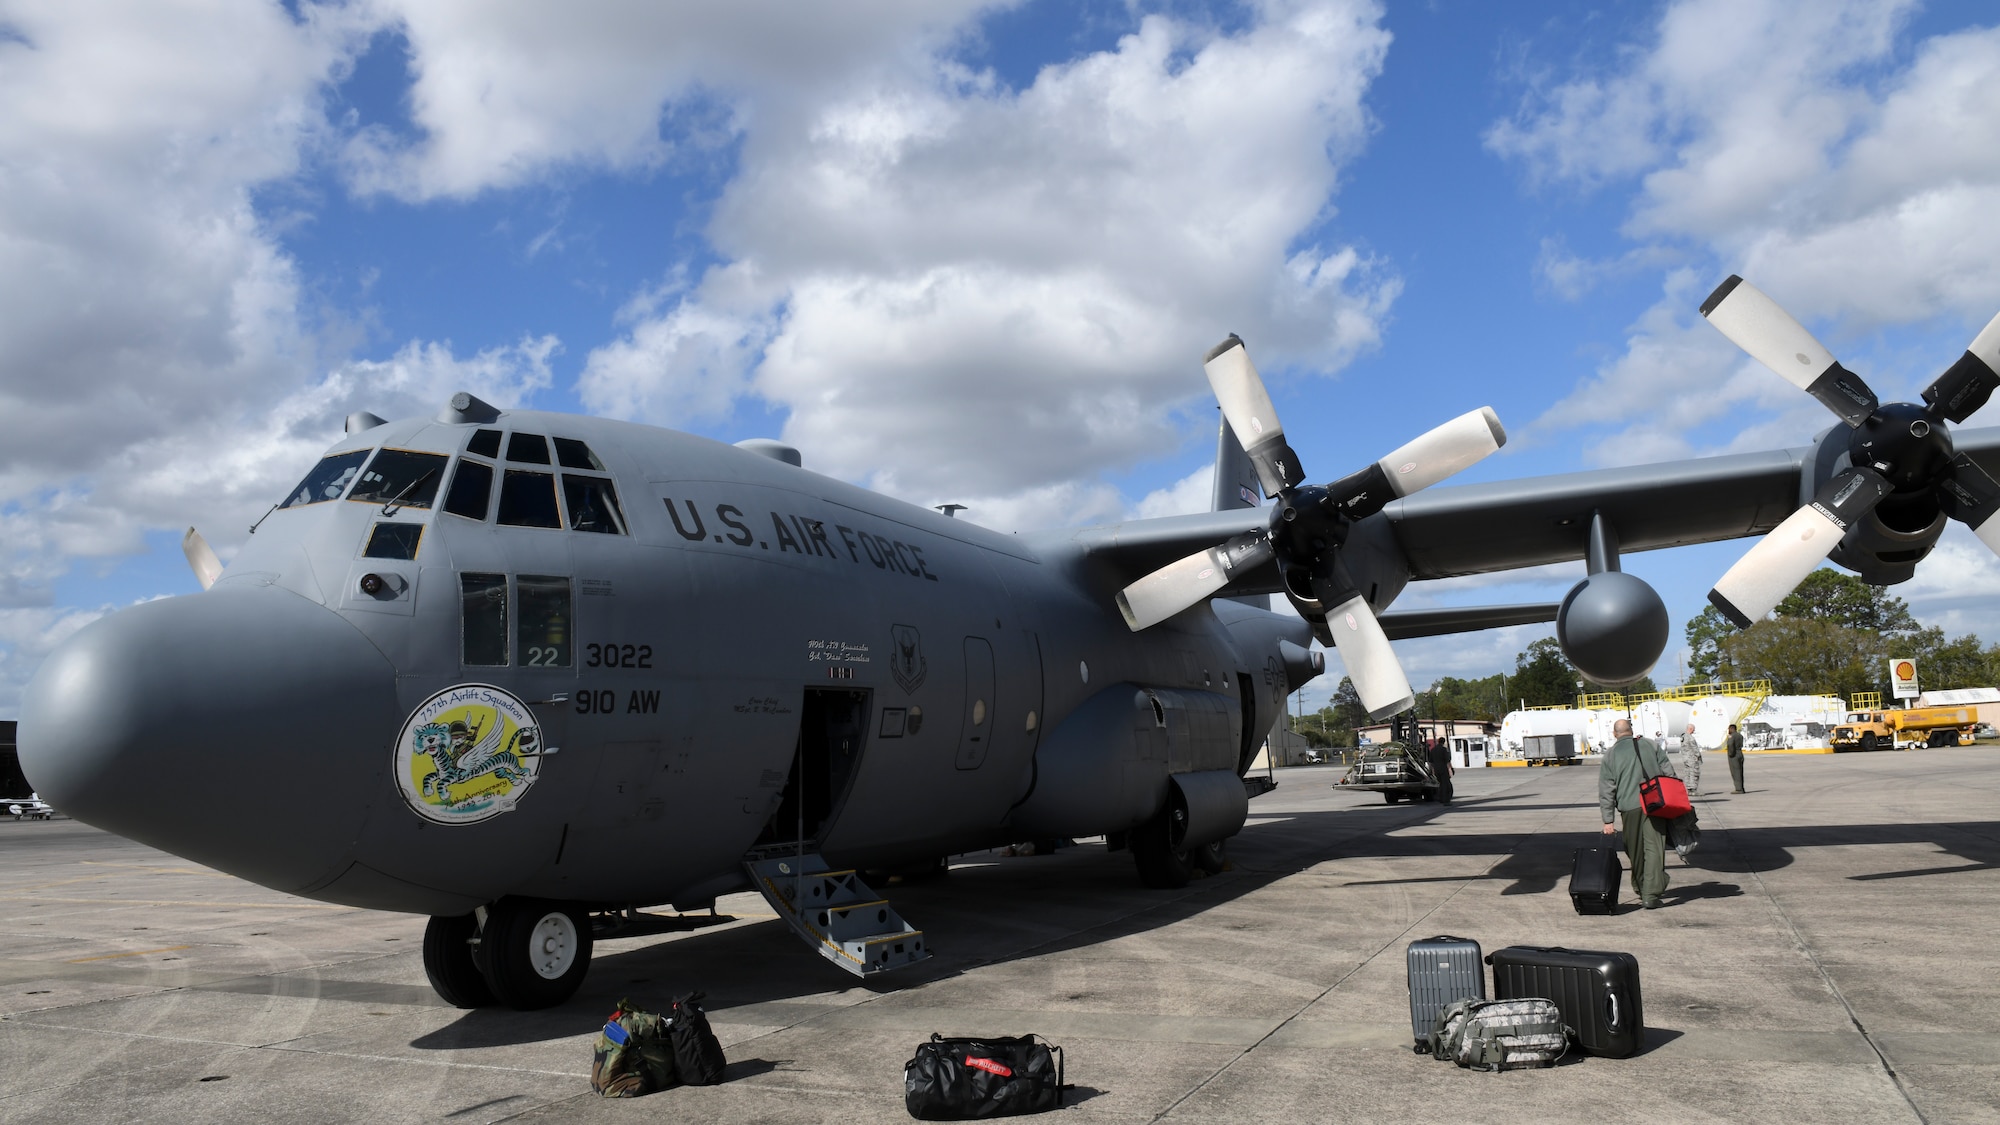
(616, 670)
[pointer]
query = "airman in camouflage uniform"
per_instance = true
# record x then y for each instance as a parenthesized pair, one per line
(1691, 762)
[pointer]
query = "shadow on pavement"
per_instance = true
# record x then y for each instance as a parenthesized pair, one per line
(992, 909)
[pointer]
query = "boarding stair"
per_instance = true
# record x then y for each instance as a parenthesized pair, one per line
(835, 912)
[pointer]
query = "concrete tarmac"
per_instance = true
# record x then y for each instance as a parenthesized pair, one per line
(1830, 955)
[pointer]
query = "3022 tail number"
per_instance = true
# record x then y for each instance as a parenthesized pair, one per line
(618, 656)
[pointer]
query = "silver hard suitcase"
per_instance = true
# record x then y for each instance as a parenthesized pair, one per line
(1442, 969)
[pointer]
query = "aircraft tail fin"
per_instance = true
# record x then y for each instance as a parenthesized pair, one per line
(1236, 484)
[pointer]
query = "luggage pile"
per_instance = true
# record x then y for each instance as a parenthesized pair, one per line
(641, 1053)
(1544, 999)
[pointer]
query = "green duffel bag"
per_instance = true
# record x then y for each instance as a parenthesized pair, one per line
(632, 1055)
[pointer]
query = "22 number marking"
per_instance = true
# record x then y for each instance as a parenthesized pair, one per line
(618, 656)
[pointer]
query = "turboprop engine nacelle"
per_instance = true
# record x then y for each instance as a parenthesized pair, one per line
(1613, 627)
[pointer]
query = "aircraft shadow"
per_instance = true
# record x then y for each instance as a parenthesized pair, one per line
(992, 909)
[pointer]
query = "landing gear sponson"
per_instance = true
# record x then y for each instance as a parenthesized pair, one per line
(521, 952)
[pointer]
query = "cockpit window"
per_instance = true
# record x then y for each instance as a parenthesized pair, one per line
(394, 541)
(592, 503)
(483, 598)
(575, 455)
(401, 478)
(486, 443)
(327, 480)
(529, 499)
(471, 484)
(529, 449)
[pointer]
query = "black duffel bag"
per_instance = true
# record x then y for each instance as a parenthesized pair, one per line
(962, 1079)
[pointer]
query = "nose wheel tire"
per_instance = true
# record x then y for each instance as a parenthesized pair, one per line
(448, 962)
(534, 953)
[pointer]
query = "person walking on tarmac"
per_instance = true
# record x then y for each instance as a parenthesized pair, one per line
(1691, 760)
(1735, 760)
(1628, 763)
(1438, 757)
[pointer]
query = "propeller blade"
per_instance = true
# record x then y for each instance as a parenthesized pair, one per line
(1759, 326)
(1248, 407)
(1966, 385)
(1464, 441)
(207, 568)
(1782, 559)
(1178, 585)
(1972, 497)
(1371, 663)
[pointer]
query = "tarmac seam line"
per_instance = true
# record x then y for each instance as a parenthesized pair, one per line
(1400, 935)
(1798, 939)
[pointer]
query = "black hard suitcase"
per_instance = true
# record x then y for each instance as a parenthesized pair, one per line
(1594, 879)
(1442, 969)
(1598, 993)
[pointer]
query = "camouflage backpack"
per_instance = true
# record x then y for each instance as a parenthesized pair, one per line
(632, 1055)
(1500, 1034)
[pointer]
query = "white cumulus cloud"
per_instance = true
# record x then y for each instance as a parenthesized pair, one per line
(967, 290)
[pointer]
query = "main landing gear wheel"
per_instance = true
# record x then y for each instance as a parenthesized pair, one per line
(1211, 858)
(448, 961)
(534, 953)
(1164, 861)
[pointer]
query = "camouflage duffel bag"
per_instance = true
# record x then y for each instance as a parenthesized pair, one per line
(633, 1055)
(1500, 1034)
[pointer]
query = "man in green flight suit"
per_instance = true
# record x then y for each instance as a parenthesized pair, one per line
(1618, 781)
(1735, 759)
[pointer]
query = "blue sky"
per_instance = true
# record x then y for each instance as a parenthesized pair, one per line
(961, 251)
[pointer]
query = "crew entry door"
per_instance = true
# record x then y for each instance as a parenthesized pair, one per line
(976, 729)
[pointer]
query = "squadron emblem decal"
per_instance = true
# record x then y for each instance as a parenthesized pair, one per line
(467, 754)
(907, 661)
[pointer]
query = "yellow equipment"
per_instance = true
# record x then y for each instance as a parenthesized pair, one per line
(1914, 726)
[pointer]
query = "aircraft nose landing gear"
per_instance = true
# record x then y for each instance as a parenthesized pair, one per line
(530, 953)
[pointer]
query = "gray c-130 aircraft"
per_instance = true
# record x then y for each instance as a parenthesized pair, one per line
(509, 668)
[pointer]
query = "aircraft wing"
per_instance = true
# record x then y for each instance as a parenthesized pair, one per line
(1449, 530)
(1503, 525)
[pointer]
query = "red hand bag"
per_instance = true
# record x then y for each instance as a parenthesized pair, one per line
(1665, 797)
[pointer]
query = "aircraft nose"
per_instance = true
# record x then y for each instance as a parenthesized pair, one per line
(238, 728)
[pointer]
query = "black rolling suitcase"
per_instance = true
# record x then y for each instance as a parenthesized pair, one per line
(1598, 993)
(1442, 969)
(1594, 879)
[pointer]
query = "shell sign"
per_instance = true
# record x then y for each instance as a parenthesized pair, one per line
(1903, 678)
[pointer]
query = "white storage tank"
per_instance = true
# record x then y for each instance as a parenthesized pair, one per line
(1664, 721)
(1601, 721)
(1519, 725)
(1803, 721)
(1712, 714)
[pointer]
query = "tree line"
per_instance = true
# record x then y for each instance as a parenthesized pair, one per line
(1832, 635)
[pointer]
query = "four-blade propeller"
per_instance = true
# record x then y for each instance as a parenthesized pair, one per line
(1896, 448)
(1308, 526)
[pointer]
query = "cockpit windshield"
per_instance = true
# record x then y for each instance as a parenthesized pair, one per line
(402, 478)
(327, 480)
